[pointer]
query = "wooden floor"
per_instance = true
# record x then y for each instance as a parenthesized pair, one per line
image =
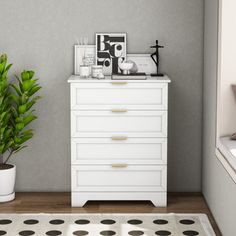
(60, 203)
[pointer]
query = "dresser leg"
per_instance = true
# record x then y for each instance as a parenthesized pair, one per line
(160, 201)
(77, 201)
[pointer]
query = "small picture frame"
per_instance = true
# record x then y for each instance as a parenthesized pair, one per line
(83, 53)
(110, 51)
(144, 63)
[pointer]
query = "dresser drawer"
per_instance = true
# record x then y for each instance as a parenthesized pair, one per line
(140, 95)
(130, 123)
(100, 151)
(127, 178)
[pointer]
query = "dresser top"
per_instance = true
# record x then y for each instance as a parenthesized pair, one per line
(77, 79)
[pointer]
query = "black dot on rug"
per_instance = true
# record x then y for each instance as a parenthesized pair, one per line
(160, 222)
(26, 233)
(163, 233)
(135, 222)
(56, 222)
(5, 222)
(190, 233)
(80, 233)
(82, 222)
(187, 222)
(108, 222)
(107, 233)
(31, 222)
(53, 233)
(136, 233)
(2, 232)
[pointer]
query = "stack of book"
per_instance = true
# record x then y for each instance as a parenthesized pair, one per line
(132, 76)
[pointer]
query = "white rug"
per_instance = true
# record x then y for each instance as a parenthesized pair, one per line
(105, 224)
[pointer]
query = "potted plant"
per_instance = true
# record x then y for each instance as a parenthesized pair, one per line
(16, 113)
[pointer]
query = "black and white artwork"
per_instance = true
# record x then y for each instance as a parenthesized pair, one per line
(110, 51)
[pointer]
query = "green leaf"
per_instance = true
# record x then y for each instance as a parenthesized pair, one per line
(8, 68)
(22, 108)
(32, 102)
(15, 99)
(14, 112)
(8, 145)
(19, 148)
(4, 75)
(23, 139)
(24, 98)
(20, 119)
(19, 126)
(27, 132)
(7, 133)
(29, 119)
(31, 74)
(34, 90)
(25, 75)
(3, 129)
(3, 61)
(18, 91)
(26, 85)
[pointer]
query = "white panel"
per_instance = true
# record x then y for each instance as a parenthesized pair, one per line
(106, 123)
(108, 96)
(132, 151)
(107, 178)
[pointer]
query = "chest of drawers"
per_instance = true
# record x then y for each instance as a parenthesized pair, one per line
(119, 140)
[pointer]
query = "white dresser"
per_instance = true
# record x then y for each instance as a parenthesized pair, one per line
(119, 139)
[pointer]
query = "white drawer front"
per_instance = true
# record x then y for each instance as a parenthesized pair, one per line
(107, 151)
(107, 124)
(106, 178)
(92, 96)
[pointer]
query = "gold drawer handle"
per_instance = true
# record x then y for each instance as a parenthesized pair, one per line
(119, 138)
(119, 82)
(119, 165)
(119, 110)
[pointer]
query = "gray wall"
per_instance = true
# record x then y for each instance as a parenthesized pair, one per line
(218, 188)
(40, 35)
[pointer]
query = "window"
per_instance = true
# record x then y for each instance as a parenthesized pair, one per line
(226, 100)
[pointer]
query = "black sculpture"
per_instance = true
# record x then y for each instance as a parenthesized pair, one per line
(157, 46)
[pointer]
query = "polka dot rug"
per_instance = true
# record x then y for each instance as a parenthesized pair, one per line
(105, 225)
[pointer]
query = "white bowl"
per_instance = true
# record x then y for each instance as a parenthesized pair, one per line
(126, 65)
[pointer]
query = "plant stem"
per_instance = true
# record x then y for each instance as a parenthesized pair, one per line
(11, 152)
(1, 159)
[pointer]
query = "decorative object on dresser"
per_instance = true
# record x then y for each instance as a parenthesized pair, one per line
(156, 59)
(110, 51)
(84, 55)
(97, 72)
(125, 67)
(85, 71)
(143, 62)
(119, 139)
(17, 100)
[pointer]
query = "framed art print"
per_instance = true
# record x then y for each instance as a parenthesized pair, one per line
(110, 51)
(83, 54)
(144, 63)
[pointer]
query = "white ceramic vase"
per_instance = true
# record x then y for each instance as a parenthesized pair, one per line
(7, 184)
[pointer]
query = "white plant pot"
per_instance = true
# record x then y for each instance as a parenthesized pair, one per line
(7, 184)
